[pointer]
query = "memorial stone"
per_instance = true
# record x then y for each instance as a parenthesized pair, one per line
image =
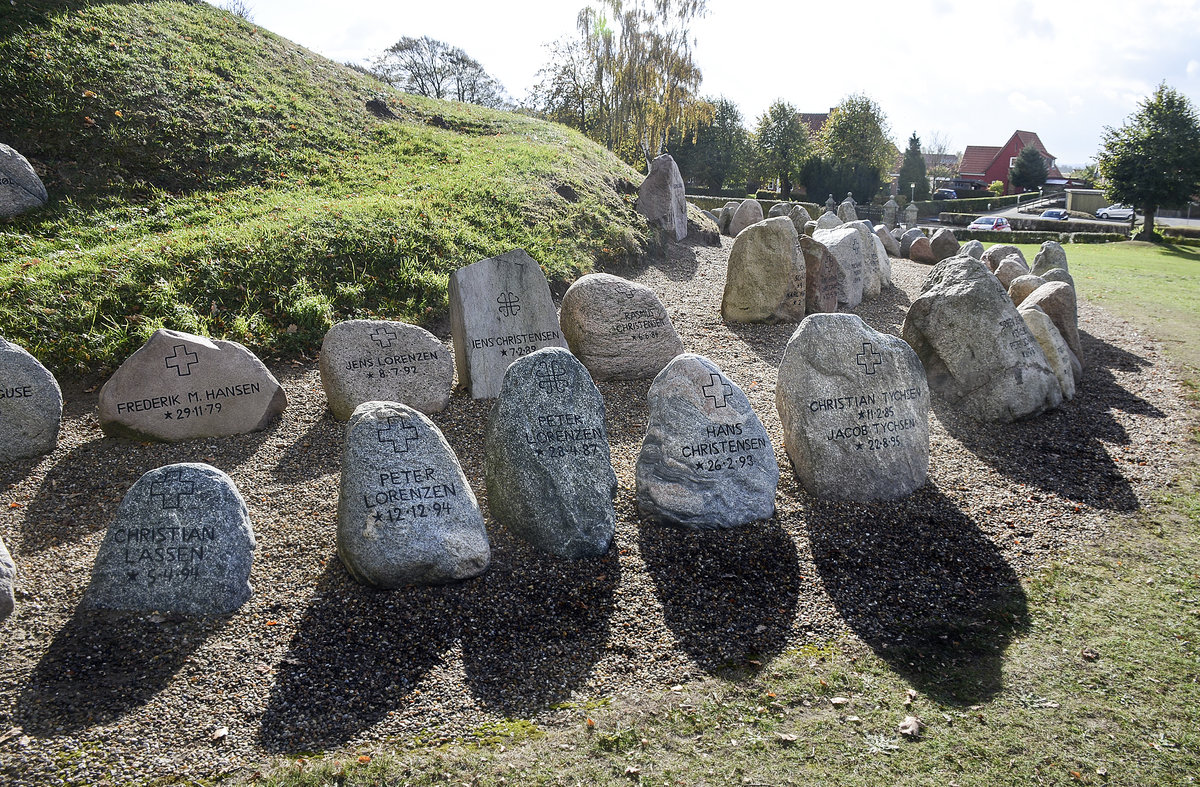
(854, 406)
(848, 245)
(1020, 287)
(977, 352)
(20, 187)
(377, 360)
(747, 213)
(921, 251)
(910, 215)
(707, 460)
(406, 512)
(810, 228)
(972, 248)
(8, 578)
(828, 221)
(1010, 268)
(181, 542)
(1049, 257)
(944, 244)
(1059, 274)
(821, 277)
(30, 405)
(765, 279)
(800, 217)
(701, 228)
(661, 198)
(850, 265)
(874, 254)
(996, 254)
(726, 217)
(180, 386)
(846, 211)
(1058, 355)
(906, 240)
(890, 245)
(1057, 300)
(708, 214)
(546, 457)
(619, 329)
(890, 210)
(779, 209)
(500, 310)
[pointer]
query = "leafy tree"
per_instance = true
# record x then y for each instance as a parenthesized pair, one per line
(1089, 173)
(718, 153)
(433, 68)
(857, 132)
(913, 169)
(629, 80)
(823, 176)
(1028, 171)
(1153, 160)
(996, 187)
(781, 144)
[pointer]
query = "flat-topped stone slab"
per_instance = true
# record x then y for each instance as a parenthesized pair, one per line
(500, 310)
(181, 542)
(547, 461)
(619, 329)
(30, 405)
(179, 386)
(406, 512)
(380, 360)
(855, 410)
(706, 461)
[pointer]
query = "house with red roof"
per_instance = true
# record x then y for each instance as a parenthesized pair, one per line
(987, 163)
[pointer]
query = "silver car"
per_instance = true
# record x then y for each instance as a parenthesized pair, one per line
(1118, 211)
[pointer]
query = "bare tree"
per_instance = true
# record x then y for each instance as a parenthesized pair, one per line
(433, 68)
(239, 8)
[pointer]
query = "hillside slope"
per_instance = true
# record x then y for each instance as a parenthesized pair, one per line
(210, 176)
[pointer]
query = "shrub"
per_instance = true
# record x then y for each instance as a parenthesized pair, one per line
(996, 187)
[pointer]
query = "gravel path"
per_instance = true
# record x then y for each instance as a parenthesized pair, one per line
(316, 661)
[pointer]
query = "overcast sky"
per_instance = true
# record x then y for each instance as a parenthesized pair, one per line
(1061, 68)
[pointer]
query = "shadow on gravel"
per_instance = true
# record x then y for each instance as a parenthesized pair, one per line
(103, 664)
(1062, 451)
(81, 493)
(728, 595)
(534, 626)
(316, 454)
(921, 584)
(357, 654)
(680, 264)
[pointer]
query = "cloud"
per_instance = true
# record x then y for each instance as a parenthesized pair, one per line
(1025, 105)
(1193, 69)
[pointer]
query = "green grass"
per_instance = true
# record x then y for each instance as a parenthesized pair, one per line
(209, 176)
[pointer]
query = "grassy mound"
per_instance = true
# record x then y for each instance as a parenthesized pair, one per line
(209, 176)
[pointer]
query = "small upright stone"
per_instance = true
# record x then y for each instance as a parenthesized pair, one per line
(855, 410)
(547, 461)
(179, 386)
(619, 329)
(890, 244)
(1057, 300)
(972, 248)
(779, 209)
(377, 360)
(944, 244)
(1058, 355)
(725, 218)
(406, 512)
(846, 210)
(30, 405)
(20, 187)
(766, 280)
(500, 310)
(8, 578)
(1059, 274)
(851, 276)
(1049, 257)
(828, 221)
(1020, 287)
(921, 251)
(181, 542)
(706, 460)
(1010, 268)
(821, 274)
(996, 254)
(661, 197)
(910, 215)
(890, 210)
(800, 217)
(975, 347)
(747, 213)
(906, 240)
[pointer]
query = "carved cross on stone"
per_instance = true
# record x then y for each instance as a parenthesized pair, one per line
(172, 489)
(400, 433)
(868, 359)
(718, 390)
(182, 364)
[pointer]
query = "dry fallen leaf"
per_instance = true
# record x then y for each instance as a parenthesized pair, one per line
(219, 733)
(839, 701)
(786, 738)
(911, 726)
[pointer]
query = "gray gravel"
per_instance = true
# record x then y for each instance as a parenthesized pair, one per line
(315, 661)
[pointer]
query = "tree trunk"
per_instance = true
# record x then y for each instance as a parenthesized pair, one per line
(1147, 233)
(785, 187)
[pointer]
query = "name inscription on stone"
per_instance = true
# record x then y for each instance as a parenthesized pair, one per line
(564, 434)
(1015, 335)
(724, 449)
(516, 345)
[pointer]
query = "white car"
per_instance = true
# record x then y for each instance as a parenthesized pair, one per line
(1118, 211)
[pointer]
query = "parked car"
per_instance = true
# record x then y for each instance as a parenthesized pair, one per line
(996, 223)
(1118, 211)
(1055, 213)
(945, 194)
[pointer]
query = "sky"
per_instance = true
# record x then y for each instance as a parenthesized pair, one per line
(940, 68)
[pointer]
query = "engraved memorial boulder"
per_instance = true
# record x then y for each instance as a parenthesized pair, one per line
(944, 244)
(661, 198)
(547, 462)
(406, 513)
(180, 386)
(821, 276)
(747, 213)
(30, 405)
(1049, 257)
(1057, 300)
(846, 210)
(977, 352)
(706, 460)
(20, 187)
(8, 578)
(828, 221)
(500, 310)
(1058, 355)
(875, 254)
(855, 410)
(799, 216)
(765, 279)
(181, 542)
(378, 360)
(845, 244)
(619, 329)
(907, 238)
